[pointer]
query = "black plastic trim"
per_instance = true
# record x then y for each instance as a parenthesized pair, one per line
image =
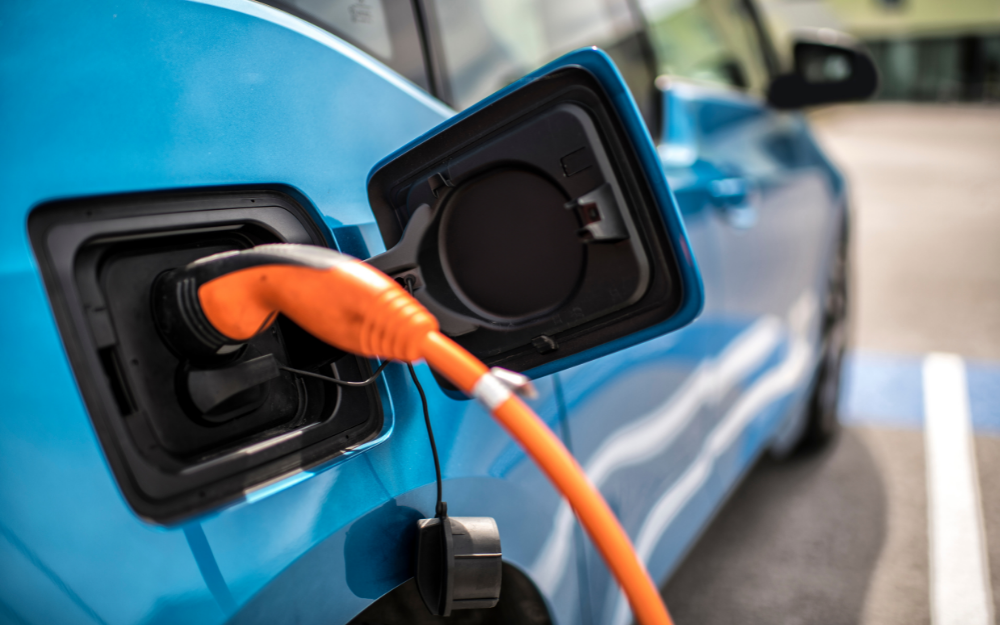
(67, 237)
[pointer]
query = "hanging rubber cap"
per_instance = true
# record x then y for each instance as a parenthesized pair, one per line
(458, 563)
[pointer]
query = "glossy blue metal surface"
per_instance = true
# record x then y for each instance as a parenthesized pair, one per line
(666, 428)
(112, 97)
(121, 97)
(117, 97)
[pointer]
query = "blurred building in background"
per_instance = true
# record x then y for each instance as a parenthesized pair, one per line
(926, 50)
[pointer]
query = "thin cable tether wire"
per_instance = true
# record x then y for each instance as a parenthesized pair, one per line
(441, 509)
(332, 380)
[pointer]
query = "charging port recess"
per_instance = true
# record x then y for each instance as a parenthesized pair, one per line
(182, 436)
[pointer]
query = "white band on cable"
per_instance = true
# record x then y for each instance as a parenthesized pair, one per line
(491, 391)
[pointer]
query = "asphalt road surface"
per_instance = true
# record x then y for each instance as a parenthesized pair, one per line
(857, 533)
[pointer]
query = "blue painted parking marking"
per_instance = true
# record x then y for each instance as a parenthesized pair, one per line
(882, 389)
(887, 389)
(984, 395)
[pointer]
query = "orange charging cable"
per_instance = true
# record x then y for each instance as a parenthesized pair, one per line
(357, 308)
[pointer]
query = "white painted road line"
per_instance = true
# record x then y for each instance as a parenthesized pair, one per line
(959, 576)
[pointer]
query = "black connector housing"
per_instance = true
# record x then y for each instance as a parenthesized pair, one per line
(459, 563)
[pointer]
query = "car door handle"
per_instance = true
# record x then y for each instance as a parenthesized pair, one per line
(729, 191)
(735, 198)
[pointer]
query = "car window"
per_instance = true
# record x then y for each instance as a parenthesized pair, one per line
(737, 19)
(485, 45)
(386, 29)
(690, 43)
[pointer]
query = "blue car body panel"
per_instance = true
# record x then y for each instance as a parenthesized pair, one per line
(123, 97)
(666, 428)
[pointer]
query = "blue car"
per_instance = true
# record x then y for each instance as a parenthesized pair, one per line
(617, 198)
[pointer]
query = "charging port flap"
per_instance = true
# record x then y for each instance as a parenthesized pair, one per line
(537, 225)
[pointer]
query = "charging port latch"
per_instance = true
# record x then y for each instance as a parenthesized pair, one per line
(599, 215)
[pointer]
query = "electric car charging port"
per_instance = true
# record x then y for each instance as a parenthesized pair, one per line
(186, 434)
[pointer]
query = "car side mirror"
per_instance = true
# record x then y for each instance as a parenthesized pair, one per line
(829, 67)
(537, 225)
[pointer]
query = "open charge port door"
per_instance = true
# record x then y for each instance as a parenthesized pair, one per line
(537, 225)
